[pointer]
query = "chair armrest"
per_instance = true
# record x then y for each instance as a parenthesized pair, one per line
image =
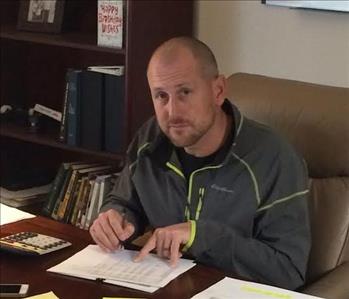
(334, 285)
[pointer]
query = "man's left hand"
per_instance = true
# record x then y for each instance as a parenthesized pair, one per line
(167, 241)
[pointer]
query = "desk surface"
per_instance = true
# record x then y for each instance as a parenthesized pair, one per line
(32, 269)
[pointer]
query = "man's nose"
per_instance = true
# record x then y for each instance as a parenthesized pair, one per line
(173, 107)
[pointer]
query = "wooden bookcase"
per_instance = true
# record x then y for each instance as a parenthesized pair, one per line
(33, 68)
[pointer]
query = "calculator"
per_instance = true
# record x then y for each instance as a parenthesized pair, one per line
(32, 243)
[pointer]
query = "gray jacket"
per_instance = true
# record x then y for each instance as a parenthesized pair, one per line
(248, 209)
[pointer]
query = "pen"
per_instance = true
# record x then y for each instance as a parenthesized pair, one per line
(123, 222)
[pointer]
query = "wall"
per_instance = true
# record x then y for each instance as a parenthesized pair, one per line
(304, 45)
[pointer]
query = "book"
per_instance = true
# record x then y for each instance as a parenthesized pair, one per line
(110, 23)
(117, 70)
(73, 112)
(55, 188)
(114, 113)
(92, 204)
(79, 200)
(85, 202)
(73, 198)
(63, 127)
(68, 196)
(63, 189)
(91, 110)
(107, 183)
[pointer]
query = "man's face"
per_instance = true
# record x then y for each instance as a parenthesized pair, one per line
(184, 101)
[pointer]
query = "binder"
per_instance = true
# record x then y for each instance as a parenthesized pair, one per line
(91, 110)
(73, 108)
(114, 113)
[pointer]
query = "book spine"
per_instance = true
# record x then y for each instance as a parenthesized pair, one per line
(91, 212)
(91, 110)
(114, 113)
(63, 126)
(68, 194)
(56, 187)
(78, 202)
(73, 131)
(72, 200)
(80, 222)
(60, 197)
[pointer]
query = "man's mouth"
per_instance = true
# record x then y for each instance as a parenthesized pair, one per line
(178, 125)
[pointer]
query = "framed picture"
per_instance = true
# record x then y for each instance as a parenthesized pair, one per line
(41, 15)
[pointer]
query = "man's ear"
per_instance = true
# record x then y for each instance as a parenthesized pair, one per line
(219, 89)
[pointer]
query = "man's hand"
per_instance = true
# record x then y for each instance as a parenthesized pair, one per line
(110, 229)
(167, 241)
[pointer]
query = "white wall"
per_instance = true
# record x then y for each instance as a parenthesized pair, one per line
(247, 36)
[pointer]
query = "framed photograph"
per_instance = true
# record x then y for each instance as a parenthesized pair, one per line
(41, 15)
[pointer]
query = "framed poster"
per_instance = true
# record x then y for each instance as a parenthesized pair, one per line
(41, 15)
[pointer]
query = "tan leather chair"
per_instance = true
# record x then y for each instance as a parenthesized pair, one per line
(315, 119)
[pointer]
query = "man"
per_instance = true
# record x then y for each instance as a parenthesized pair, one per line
(223, 189)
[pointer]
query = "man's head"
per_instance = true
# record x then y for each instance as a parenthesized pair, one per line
(187, 91)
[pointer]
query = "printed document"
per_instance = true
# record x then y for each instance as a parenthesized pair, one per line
(8, 214)
(229, 288)
(119, 268)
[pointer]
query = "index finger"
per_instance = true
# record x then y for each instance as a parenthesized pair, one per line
(175, 254)
(149, 246)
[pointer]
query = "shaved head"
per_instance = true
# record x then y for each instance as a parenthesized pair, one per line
(170, 51)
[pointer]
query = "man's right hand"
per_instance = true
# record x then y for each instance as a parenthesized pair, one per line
(110, 229)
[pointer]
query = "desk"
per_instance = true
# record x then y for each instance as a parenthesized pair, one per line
(32, 269)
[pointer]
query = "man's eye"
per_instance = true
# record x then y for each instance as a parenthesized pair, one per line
(160, 96)
(185, 91)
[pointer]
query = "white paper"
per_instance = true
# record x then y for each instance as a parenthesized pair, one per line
(135, 286)
(119, 266)
(8, 214)
(229, 288)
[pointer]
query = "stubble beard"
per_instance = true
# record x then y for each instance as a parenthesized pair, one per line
(191, 134)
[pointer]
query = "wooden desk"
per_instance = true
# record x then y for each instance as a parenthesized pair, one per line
(32, 269)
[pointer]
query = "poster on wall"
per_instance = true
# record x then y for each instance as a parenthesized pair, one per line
(331, 5)
(110, 23)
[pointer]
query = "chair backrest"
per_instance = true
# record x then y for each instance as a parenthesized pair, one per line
(315, 119)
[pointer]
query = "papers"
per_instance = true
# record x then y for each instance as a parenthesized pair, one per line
(247, 290)
(24, 197)
(49, 295)
(8, 214)
(120, 269)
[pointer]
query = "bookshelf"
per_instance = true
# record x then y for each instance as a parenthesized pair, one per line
(33, 67)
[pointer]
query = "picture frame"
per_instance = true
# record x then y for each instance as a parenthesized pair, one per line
(41, 15)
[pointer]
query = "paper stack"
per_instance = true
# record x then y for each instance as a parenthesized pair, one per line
(24, 197)
(119, 268)
(8, 214)
(229, 288)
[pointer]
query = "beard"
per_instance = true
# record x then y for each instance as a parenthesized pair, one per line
(185, 133)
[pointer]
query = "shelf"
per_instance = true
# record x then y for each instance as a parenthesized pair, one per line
(50, 139)
(75, 40)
